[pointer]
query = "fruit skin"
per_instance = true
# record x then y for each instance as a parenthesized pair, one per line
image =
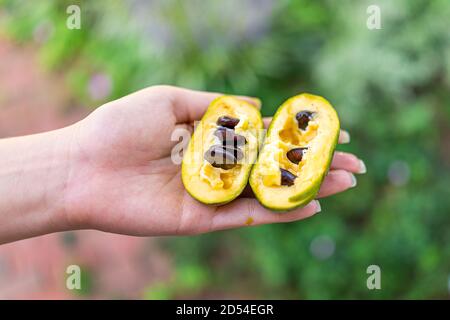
(298, 200)
(259, 138)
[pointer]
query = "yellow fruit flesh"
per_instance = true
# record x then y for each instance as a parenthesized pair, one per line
(284, 135)
(214, 185)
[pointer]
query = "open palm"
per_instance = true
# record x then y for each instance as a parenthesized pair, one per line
(122, 178)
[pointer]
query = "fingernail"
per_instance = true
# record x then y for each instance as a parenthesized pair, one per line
(354, 182)
(345, 136)
(362, 167)
(318, 207)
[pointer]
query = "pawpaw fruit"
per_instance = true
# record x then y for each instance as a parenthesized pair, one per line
(224, 146)
(296, 154)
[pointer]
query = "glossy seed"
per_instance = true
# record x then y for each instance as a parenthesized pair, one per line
(287, 178)
(229, 137)
(228, 122)
(303, 118)
(295, 155)
(219, 157)
(238, 154)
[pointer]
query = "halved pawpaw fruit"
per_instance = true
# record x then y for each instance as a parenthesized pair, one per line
(296, 154)
(222, 150)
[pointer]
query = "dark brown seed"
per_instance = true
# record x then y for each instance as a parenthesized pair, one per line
(219, 157)
(228, 122)
(224, 133)
(303, 118)
(238, 154)
(287, 178)
(223, 166)
(295, 155)
(229, 137)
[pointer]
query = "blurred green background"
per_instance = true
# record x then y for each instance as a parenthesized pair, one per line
(391, 88)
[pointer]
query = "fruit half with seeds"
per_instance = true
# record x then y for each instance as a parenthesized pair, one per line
(222, 150)
(296, 154)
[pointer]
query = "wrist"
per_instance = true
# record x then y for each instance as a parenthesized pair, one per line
(33, 177)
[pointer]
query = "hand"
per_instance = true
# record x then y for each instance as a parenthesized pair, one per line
(113, 172)
(122, 179)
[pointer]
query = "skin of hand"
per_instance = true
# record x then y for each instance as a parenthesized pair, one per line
(113, 171)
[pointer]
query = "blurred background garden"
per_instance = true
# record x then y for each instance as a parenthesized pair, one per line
(390, 86)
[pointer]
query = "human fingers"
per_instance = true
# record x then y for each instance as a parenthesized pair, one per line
(245, 212)
(267, 121)
(348, 161)
(190, 105)
(335, 182)
(344, 137)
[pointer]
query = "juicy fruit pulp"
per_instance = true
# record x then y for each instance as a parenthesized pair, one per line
(222, 150)
(296, 154)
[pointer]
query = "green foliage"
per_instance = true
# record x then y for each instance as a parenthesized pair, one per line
(189, 279)
(390, 87)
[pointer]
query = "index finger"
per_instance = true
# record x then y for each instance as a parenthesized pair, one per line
(190, 105)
